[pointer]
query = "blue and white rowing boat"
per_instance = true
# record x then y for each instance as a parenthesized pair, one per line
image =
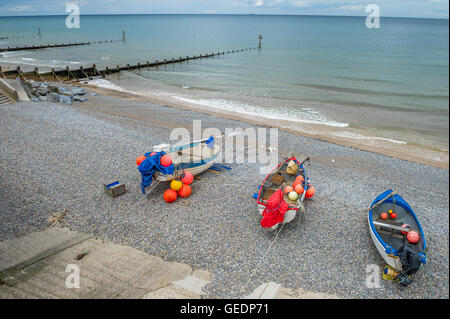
(390, 235)
(195, 157)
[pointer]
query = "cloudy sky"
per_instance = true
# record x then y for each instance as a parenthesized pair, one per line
(392, 8)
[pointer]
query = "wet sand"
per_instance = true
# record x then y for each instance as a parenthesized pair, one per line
(409, 152)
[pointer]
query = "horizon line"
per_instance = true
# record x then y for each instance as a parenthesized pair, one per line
(212, 14)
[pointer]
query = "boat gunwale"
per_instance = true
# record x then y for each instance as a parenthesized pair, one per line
(399, 200)
(291, 207)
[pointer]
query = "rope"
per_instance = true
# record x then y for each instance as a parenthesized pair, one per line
(393, 193)
(261, 259)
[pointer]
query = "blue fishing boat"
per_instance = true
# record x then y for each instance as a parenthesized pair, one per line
(397, 234)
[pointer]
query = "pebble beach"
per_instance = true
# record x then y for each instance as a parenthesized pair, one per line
(55, 158)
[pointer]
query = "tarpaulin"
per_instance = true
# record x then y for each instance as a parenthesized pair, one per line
(275, 210)
(150, 165)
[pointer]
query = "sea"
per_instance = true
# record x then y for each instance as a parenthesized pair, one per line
(328, 76)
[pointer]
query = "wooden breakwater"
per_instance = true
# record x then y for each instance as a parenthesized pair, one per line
(82, 73)
(46, 46)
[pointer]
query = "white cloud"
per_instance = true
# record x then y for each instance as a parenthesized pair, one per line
(19, 9)
(352, 8)
(259, 3)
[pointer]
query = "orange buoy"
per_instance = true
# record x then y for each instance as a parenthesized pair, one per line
(170, 195)
(310, 191)
(166, 160)
(176, 185)
(187, 177)
(299, 188)
(185, 191)
(300, 178)
(297, 182)
(406, 226)
(140, 159)
(413, 237)
(288, 189)
(384, 215)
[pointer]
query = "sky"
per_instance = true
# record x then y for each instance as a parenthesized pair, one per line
(388, 8)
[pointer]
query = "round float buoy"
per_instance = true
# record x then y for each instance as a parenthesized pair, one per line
(406, 226)
(187, 177)
(170, 195)
(310, 192)
(140, 159)
(293, 196)
(166, 160)
(288, 189)
(299, 188)
(413, 237)
(176, 185)
(297, 182)
(393, 215)
(185, 191)
(300, 178)
(384, 215)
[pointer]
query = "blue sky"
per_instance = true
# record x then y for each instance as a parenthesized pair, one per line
(391, 8)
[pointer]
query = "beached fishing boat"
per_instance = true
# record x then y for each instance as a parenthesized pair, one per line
(278, 179)
(397, 234)
(195, 157)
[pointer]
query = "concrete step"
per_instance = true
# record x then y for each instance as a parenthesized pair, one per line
(4, 99)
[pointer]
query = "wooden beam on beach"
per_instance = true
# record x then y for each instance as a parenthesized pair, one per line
(85, 73)
(40, 47)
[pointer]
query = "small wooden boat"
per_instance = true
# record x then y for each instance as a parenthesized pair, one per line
(195, 157)
(390, 235)
(278, 178)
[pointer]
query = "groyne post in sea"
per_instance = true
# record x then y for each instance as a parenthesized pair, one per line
(82, 73)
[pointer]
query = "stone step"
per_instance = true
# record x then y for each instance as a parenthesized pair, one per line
(4, 99)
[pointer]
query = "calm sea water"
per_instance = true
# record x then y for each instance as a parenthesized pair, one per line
(389, 84)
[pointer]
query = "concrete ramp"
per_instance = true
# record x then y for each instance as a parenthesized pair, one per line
(58, 263)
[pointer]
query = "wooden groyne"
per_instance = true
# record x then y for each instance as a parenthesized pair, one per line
(46, 46)
(82, 73)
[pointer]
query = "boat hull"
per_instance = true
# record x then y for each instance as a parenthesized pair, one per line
(388, 244)
(196, 167)
(295, 208)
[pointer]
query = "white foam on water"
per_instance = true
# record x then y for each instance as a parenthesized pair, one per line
(28, 59)
(305, 115)
(363, 137)
(108, 85)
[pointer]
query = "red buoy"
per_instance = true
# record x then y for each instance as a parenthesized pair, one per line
(140, 159)
(299, 188)
(288, 189)
(185, 191)
(413, 237)
(406, 226)
(166, 160)
(310, 192)
(170, 195)
(187, 177)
